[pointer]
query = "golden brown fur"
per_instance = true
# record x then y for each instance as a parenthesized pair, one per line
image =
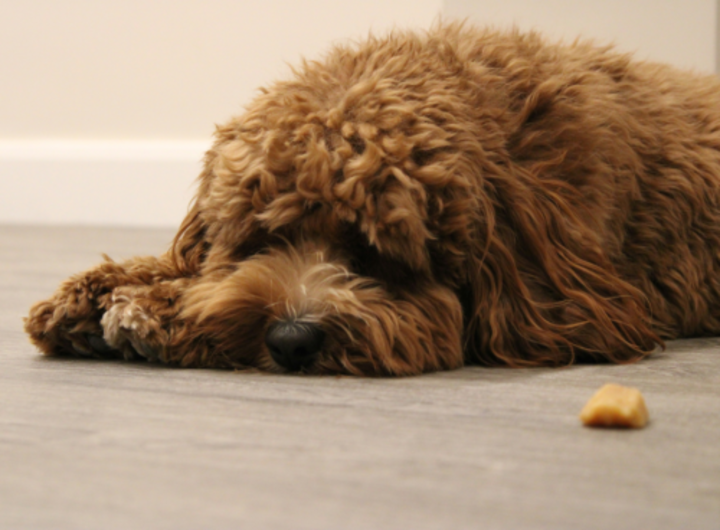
(429, 200)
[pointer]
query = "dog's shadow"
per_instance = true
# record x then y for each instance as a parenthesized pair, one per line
(470, 373)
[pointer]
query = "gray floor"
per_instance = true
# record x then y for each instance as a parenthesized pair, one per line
(101, 444)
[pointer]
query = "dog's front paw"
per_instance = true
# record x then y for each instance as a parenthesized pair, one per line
(64, 323)
(129, 326)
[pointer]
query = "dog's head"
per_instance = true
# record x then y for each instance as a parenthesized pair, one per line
(336, 218)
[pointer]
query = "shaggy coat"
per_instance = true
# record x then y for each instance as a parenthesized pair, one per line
(423, 201)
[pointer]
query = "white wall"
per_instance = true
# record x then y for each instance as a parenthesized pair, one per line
(679, 32)
(107, 107)
(163, 69)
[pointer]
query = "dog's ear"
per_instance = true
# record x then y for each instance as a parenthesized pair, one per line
(189, 247)
(218, 222)
(542, 290)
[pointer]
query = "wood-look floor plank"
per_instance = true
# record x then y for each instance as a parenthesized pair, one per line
(106, 444)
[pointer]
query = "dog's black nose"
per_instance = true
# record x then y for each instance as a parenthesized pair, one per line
(294, 345)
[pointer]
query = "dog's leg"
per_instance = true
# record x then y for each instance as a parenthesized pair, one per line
(152, 322)
(144, 321)
(69, 322)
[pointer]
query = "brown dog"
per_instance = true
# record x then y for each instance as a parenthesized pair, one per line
(418, 202)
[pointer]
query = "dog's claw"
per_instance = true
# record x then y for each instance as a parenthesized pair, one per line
(80, 349)
(93, 346)
(144, 350)
(98, 344)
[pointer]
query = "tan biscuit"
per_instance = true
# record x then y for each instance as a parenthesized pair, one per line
(615, 406)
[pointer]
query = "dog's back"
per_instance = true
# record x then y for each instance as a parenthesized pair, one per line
(640, 142)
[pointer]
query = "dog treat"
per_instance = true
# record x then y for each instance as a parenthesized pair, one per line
(615, 406)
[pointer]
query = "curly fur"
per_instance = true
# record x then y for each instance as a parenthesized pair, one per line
(430, 200)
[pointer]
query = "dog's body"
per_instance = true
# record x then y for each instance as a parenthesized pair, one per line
(423, 201)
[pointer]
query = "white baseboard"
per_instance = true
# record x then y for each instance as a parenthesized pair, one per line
(123, 183)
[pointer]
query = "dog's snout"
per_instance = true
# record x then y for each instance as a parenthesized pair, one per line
(294, 345)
